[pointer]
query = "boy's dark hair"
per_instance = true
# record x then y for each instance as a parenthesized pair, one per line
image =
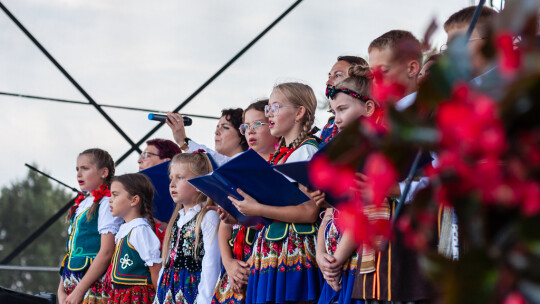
(403, 44)
(464, 16)
(234, 116)
(165, 147)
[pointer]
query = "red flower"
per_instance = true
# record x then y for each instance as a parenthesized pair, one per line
(334, 178)
(381, 176)
(298, 268)
(282, 269)
(385, 90)
(509, 54)
(515, 298)
(531, 198)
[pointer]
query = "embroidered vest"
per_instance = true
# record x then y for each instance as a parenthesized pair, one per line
(127, 266)
(277, 231)
(184, 240)
(83, 243)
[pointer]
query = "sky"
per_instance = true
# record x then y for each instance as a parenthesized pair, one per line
(154, 54)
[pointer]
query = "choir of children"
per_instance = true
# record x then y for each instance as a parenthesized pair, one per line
(207, 256)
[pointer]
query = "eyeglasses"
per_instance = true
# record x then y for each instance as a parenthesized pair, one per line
(332, 91)
(274, 109)
(146, 155)
(444, 47)
(254, 126)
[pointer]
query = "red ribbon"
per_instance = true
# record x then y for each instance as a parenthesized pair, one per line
(100, 192)
(239, 243)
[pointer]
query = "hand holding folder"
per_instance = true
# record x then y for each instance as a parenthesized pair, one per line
(251, 173)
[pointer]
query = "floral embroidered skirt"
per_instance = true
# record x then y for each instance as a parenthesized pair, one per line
(137, 294)
(284, 271)
(332, 236)
(96, 294)
(177, 286)
(224, 292)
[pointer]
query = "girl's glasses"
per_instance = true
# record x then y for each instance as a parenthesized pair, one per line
(274, 109)
(254, 126)
(332, 91)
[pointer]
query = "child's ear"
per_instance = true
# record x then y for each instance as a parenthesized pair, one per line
(135, 200)
(300, 114)
(413, 68)
(104, 172)
(370, 107)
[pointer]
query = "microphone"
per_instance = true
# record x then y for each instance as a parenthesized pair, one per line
(161, 117)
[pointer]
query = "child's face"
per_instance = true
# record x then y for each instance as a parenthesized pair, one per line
(88, 175)
(226, 138)
(393, 71)
(181, 191)
(121, 202)
(346, 109)
(283, 122)
(259, 139)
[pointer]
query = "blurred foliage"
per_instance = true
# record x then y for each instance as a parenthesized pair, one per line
(25, 206)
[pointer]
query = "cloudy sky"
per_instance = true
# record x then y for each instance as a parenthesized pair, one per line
(154, 54)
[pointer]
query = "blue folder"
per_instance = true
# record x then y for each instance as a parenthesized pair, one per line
(163, 205)
(251, 173)
(299, 171)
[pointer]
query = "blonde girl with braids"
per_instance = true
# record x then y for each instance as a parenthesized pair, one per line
(336, 251)
(283, 266)
(136, 262)
(91, 232)
(191, 260)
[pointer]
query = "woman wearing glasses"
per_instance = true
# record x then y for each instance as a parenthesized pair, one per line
(157, 151)
(228, 140)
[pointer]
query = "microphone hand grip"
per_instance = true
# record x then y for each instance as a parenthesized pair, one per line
(161, 117)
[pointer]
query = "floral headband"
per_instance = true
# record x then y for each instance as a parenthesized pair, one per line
(331, 92)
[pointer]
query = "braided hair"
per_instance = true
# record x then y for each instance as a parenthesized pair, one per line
(137, 184)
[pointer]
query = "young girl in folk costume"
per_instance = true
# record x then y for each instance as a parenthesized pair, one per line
(283, 267)
(136, 262)
(91, 232)
(336, 253)
(190, 248)
(236, 241)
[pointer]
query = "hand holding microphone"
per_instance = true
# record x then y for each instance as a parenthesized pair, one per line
(160, 117)
(176, 122)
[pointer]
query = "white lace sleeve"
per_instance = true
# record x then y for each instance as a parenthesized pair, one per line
(219, 158)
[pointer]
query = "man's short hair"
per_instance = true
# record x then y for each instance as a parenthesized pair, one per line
(464, 17)
(403, 44)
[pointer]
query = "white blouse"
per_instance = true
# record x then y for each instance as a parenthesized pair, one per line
(106, 222)
(220, 159)
(143, 239)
